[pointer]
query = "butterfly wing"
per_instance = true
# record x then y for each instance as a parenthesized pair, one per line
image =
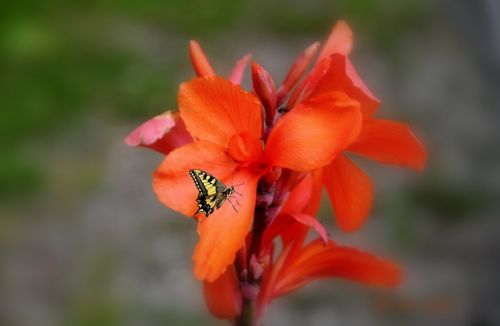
(211, 192)
(221, 193)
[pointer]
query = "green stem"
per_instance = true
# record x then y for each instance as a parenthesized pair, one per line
(247, 317)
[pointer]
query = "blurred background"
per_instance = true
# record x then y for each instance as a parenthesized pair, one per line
(83, 240)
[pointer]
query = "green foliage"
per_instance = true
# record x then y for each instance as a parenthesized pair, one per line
(380, 20)
(19, 175)
(451, 202)
(97, 312)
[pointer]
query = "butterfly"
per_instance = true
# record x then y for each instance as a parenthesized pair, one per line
(212, 193)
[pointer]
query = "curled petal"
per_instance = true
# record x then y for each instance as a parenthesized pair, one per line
(342, 76)
(172, 183)
(319, 261)
(214, 109)
(265, 89)
(310, 136)
(163, 133)
(312, 222)
(339, 41)
(350, 191)
(199, 61)
(222, 234)
(390, 142)
(297, 70)
(244, 148)
(238, 70)
(223, 296)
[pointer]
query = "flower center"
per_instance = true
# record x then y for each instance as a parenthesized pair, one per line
(245, 148)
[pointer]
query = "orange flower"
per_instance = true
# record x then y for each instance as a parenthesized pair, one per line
(349, 188)
(315, 260)
(281, 144)
(167, 131)
(299, 263)
(226, 123)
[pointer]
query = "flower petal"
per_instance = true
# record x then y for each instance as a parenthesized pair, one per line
(350, 191)
(199, 61)
(214, 109)
(342, 76)
(339, 41)
(269, 279)
(297, 70)
(299, 196)
(319, 261)
(390, 142)
(243, 148)
(172, 183)
(314, 204)
(308, 84)
(163, 133)
(223, 296)
(310, 136)
(238, 70)
(303, 201)
(312, 222)
(222, 234)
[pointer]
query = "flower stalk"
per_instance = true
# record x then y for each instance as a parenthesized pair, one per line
(277, 148)
(247, 317)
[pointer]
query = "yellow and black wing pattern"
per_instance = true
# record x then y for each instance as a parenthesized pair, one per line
(211, 192)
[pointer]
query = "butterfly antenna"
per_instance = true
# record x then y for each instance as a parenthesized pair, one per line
(232, 180)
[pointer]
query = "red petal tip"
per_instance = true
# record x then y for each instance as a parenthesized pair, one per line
(238, 70)
(200, 63)
(265, 89)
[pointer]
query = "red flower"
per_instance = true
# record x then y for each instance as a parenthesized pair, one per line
(349, 188)
(226, 123)
(299, 263)
(163, 133)
(282, 144)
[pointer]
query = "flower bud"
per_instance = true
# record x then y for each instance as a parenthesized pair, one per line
(265, 88)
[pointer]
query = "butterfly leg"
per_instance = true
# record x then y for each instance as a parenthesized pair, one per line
(229, 200)
(236, 199)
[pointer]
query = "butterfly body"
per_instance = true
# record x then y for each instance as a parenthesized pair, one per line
(212, 193)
